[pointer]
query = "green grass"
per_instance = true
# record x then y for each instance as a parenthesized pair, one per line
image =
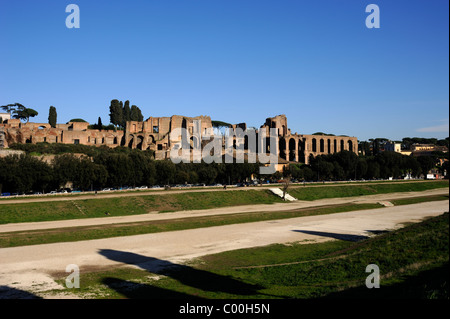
(314, 193)
(417, 200)
(413, 263)
(130, 205)
(167, 202)
(13, 239)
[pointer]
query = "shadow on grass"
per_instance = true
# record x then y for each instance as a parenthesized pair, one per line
(346, 237)
(134, 290)
(195, 278)
(7, 292)
(428, 284)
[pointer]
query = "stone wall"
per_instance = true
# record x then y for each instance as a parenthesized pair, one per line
(154, 134)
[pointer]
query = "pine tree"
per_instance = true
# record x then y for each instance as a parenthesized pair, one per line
(99, 123)
(140, 116)
(116, 112)
(52, 115)
(134, 116)
(126, 113)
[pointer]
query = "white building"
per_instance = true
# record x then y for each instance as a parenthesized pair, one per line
(393, 147)
(4, 117)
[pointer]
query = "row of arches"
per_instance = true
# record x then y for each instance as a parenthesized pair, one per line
(293, 148)
(139, 141)
(296, 149)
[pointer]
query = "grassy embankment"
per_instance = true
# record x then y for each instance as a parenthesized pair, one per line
(167, 202)
(142, 204)
(413, 263)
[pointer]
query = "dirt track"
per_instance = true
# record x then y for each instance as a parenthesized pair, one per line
(30, 268)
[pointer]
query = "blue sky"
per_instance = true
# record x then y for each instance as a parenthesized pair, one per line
(236, 61)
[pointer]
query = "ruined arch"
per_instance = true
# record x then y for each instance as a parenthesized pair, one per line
(131, 141)
(139, 142)
(322, 145)
(184, 133)
(314, 145)
(194, 143)
(282, 148)
(350, 145)
(342, 146)
(292, 149)
(268, 145)
(301, 150)
(335, 146)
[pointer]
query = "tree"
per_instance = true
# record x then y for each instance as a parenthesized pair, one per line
(126, 113)
(286, 183)
(426, 163)
(24, 174)
(135, 113)
(18, 111)
(10, 108)
(166, 171)
(65, 168)
(207, 174)
(99, 123)
(116, 113)
(24, 113)
(52, 116)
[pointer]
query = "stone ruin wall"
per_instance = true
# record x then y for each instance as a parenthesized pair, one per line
(153, 134)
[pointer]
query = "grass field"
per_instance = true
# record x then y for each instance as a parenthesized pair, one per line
(167, 202)
(413, 263)
(45, 236)
(314, 193)
(13, 239)
(121, 206)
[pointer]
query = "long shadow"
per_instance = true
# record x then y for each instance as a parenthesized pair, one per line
(186, 275)
(427, 284)
(13, 293)
(346, 237)
(133, 290)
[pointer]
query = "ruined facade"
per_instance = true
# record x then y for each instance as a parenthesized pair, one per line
(70, 133)
(294, 147)
(154, 134)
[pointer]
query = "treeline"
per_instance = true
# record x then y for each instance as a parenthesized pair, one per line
(60, 148)
(120, 113)
(101, 167)
(376, 145)
(27, 173)
(347, 165)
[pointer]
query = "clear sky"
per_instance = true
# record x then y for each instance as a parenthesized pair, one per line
(236, 61)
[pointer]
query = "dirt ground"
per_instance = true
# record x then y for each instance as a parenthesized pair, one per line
(32, 268)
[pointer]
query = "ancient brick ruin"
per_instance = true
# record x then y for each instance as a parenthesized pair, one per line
(154, 134)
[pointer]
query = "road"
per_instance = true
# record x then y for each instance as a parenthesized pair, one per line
(31, 268)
